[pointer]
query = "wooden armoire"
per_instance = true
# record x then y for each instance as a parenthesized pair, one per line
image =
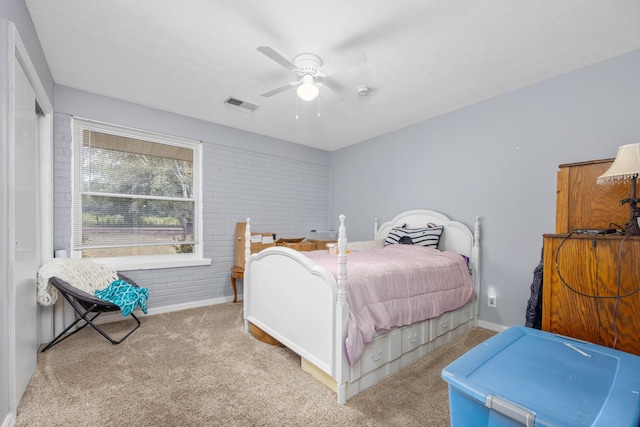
(591, 284)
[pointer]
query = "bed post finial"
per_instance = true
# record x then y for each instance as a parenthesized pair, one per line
(247, 242)
(342, 260)
(476, 232)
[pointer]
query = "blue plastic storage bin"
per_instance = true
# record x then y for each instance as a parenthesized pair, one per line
(524, 376)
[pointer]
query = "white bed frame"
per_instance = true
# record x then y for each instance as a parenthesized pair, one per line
(305, 308)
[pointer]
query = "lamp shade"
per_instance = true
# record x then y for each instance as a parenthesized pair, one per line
(308, 90)
(625, 167)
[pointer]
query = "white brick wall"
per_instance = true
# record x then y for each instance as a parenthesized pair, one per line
(283, 196)
(62, 153)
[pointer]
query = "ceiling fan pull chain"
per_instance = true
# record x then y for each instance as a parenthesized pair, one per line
(318, 106)
(296, 108)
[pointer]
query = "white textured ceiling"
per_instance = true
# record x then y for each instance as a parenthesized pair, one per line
(424, 58)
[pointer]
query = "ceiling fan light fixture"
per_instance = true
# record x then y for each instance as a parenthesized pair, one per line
(308, 90)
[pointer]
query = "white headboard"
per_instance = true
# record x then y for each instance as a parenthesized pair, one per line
(456, 236)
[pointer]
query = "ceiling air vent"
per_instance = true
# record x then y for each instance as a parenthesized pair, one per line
(241, 105)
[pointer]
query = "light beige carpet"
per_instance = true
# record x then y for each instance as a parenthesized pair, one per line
(198, 368)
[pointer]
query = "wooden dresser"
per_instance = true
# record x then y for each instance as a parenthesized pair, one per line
(602, 265)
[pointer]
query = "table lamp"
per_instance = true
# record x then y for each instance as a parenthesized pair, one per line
(626, 167)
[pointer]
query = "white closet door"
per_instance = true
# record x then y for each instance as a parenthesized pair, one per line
(27, 230)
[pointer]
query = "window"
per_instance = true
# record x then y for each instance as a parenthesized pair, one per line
(136, 196)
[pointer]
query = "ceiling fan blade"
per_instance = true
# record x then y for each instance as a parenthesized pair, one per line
(329, 92)
(266, 50)
(280, 89)
(345, 62)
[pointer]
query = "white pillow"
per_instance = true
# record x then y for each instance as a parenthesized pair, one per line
(365, 245)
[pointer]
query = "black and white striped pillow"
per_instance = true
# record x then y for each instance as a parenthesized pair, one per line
(428, 237)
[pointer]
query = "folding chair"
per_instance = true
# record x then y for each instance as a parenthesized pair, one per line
(87, 307)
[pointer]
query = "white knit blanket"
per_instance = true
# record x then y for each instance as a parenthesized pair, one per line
(85, 275)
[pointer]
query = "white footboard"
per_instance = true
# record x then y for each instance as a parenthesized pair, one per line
(294, 302)
(300, 305)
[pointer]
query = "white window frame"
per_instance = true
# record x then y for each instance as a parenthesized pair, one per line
(148, 261)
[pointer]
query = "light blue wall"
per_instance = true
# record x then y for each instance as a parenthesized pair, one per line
(498, 160)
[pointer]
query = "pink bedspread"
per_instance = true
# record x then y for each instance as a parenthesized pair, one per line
(396, 286)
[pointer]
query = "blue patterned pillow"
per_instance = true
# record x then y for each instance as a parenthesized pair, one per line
(428, 236)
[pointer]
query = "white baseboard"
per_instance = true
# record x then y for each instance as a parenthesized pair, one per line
(491, 326)
(116, 316)
(9, 420)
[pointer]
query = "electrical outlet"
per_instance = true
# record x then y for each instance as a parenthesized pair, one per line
(492, 298)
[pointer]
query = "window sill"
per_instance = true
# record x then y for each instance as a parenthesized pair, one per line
(152, 262)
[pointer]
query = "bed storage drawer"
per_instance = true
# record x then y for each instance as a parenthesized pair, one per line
(440, 325)
(414, 336)
(462, 315)
(415, 342)
(451, 320)
(382, 350)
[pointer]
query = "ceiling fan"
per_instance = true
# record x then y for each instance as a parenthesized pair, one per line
(311, 73)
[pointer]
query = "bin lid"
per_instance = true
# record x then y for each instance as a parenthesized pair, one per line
(560, 380)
